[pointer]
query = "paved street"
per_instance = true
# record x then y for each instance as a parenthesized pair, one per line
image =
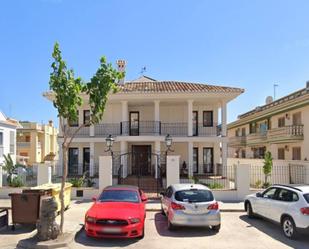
(237, 232)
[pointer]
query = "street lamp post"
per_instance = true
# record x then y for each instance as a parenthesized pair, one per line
(109, 144)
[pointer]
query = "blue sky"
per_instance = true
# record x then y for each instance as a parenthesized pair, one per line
(248, 44)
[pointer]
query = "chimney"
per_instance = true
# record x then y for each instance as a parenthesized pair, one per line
(121, 68)
(50, 122)
(307, 84)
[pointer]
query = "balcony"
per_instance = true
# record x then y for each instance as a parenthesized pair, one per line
(277, 135)
(23, 144)
(286, 133)
(257, 138)
(146, 128)
(238, 141)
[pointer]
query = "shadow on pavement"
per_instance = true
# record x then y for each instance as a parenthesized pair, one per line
(19, 229)
(274, 230)
(161, 226)
(83, 239)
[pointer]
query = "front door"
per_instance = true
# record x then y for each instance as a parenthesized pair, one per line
(195, 123)
(134, 123)
(86, 160)
(208, 160)
(73, 161)
(141, 160)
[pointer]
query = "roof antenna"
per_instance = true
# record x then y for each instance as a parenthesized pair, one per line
(275, 86)
(143, 70)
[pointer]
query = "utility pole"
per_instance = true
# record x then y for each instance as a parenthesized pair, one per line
(275, 86)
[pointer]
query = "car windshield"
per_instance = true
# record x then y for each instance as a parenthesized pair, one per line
(119, 196)
(307, 197)
(194, 195)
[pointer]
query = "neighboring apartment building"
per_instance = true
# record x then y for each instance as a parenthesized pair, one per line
(36, 142)
(280, 126)
(7, 137)
(141, 114)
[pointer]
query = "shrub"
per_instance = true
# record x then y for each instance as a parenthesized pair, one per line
(16, 182)
(214, 185)
(78, 181)
(258, 184)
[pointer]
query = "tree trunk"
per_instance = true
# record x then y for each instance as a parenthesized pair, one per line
(64, 177)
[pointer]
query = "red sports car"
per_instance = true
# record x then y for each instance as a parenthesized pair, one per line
(119, 212)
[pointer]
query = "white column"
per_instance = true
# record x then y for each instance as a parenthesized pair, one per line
(43, 174)
(242, 181)
(223, 118)
(172, 170)
(91, 166)
(1, 176)
(224, 158)
(157, 151)
(157, 115)
(190, 117)
(105, 171)
(91, 131)
(124, 158)
(190, 159)
(125, 116)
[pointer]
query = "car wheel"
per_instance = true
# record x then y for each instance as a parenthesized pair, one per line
(216, 228)
(249, 210)
(289, 228)
(170, 226)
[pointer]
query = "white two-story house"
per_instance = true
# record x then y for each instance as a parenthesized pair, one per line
(140, 116)
(7, 137)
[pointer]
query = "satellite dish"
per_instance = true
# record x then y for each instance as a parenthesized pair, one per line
(269, 99)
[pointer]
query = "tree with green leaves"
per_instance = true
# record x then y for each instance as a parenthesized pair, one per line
(68, 91)
(267, 167)
(11, 168)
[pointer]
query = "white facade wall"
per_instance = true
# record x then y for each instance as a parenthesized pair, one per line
(5, 147)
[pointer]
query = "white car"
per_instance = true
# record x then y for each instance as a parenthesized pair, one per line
(287, 205)
(190, 205)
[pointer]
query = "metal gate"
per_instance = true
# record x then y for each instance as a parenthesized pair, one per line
(140, 169)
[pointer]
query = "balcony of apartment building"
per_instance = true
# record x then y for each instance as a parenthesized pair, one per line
(179, 119)
(238, 141)
(286, 133)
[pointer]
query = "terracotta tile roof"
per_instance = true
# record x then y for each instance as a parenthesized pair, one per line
(152, 86)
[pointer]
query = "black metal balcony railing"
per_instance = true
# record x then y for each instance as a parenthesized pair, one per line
(144, 128)
(103, 130)
(83, 132)
(174, 129)
(140, 128)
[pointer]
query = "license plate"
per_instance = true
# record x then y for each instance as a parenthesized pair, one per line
(111, 229)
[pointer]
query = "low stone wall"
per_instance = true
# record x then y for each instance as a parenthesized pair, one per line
(84, 193)
(5, 191)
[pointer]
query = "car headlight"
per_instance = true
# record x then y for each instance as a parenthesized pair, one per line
(134, 220)
(90, 219)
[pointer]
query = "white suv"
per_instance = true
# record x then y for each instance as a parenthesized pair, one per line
(287, 205)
